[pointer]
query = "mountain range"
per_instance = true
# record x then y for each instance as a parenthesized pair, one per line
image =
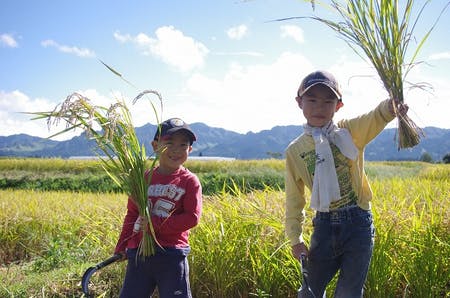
(219, 142)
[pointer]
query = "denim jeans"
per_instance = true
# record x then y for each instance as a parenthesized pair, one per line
(342, 241)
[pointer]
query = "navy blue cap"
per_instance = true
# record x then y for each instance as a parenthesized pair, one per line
(320, 77)
(172, 125)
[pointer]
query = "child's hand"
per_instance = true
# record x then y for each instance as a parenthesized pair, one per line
(397, 108)
(122, 254)
(299, 249)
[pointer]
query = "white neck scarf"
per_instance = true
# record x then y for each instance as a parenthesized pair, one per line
(325, 185)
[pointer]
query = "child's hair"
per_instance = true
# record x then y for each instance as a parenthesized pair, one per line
(320, 77)
(172, 125)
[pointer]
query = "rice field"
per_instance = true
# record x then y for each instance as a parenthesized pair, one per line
(49, 238)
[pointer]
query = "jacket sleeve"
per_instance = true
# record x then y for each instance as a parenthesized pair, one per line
(127, 227)
(295, 201)
(366, 127)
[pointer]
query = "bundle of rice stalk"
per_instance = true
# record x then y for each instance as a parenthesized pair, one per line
(375, 27)
(122, 156)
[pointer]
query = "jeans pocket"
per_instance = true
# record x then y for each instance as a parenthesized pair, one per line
(363, 219)
(363, 229)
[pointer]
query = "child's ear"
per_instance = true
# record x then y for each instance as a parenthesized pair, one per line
(299, 101)
(339, 105)
(155, 145)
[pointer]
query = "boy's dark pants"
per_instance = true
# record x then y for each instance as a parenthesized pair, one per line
(168, 270)
(342, 240)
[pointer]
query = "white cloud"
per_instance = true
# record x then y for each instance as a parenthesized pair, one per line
(8, 40)
(440, 56)
(237, 32)
(246, 98)
(429, 108)
(123, 38)
(13, 118)
(249, 54)
(171, 46)
(80, 52)
(293, 32)
(15, 106)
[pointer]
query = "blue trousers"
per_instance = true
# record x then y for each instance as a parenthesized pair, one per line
(167, 270)
(342, 241)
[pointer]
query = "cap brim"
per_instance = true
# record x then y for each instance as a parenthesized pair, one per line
(339, 96)
(191, 135)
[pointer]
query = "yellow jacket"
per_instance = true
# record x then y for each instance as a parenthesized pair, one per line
(299, 171)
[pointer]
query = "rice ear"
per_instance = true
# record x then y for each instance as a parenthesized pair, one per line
(123, 159)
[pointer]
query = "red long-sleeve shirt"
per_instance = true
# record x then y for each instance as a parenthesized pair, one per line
(176, 201)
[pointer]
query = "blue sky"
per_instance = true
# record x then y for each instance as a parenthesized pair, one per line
(217, 62)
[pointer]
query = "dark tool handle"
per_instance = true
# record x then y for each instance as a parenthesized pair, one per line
(303, 260)
(304, 291)
(91, 270)
(108, 261)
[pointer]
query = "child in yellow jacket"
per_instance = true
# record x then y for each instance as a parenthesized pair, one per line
(328, 159)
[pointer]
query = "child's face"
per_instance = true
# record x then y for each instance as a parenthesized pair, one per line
(173, 151)
(319, 105)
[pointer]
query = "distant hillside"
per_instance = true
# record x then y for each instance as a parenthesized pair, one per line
(214, 141)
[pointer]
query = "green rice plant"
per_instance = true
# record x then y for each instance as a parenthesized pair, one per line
(389, 170)
(39, 165)
(215, 176)
(239, 248)
(89, 176)
(126, 158)
(48, 239)
(381, 276)
(412, 244)
(33, 223)
(436, 173)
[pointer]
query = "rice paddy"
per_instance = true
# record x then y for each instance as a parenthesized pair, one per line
(48, 238)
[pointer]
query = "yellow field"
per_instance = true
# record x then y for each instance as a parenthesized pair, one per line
(48, 239)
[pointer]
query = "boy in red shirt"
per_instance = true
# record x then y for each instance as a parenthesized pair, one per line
(175, 195)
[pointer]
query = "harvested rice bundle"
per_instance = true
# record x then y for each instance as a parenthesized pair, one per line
(376, 28)
(122, 156)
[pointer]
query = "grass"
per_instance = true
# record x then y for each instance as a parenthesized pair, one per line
(48, 239)
(216, 176)
(413, 237)
(88, 175)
